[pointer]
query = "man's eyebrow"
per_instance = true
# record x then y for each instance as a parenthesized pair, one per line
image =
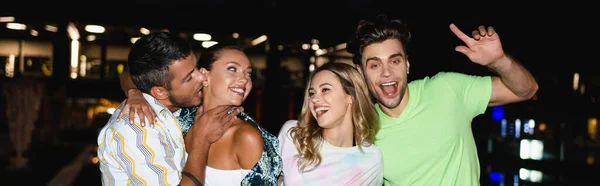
(188, 75)
(375, 58)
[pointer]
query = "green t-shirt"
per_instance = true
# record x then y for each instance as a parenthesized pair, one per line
(431, 142)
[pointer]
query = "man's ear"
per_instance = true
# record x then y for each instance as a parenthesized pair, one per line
(407, 66)
(160, 93)
(357, 66)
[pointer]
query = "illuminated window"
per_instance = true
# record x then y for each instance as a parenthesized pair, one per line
(503, 128)
(531, 149)
(592, 127)
(518, 128)
(529, 126)
(497, 113)
(530, 175)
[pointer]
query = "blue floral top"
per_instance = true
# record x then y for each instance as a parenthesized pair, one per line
(268, 168)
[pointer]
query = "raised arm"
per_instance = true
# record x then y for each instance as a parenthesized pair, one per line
(126, 82)
(515, 83)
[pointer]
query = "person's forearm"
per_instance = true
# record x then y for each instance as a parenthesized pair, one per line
(196, 164)
(126, 82)
(515, 77)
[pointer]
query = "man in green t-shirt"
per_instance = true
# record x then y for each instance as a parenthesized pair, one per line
(425, 134)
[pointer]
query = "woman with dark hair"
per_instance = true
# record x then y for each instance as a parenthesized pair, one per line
(247, 153)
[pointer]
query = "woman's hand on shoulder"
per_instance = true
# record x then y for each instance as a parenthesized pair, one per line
(137, 104)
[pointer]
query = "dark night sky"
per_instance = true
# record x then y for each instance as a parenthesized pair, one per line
(550, 35)
(552, 40)
(547, 38)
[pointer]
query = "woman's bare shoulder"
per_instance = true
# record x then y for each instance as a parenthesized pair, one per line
(244, 130)
(248, 144)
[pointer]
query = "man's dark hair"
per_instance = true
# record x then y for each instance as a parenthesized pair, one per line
(150, 57)
(376, 31)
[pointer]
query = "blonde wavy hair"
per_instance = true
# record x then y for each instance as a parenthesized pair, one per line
(307, 135)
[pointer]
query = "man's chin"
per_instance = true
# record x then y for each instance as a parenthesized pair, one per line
(191, 104)
(389, 102)
(195, 104)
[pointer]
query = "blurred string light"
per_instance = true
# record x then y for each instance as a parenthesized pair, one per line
(51, 28)
(134, 39)
(305, 46)
(144, 31)
(207, 44)
(33, 32)
(16, 26)
(202, 37)
(5, 19)
(95, 29)
(91, 38)
(258, 40)
(575, 81)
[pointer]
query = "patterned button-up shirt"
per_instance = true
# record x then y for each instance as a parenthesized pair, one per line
(131, 154)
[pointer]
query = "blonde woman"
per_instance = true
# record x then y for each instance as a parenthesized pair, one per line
(332, 141)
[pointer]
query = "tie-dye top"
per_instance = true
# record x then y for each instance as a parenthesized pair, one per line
(339, 165)
(268, 168)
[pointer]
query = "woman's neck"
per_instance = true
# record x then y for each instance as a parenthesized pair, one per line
(342, 135)
(207, 104)
(210, 102)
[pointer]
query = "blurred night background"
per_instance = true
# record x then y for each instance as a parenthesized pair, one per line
(59, 70)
